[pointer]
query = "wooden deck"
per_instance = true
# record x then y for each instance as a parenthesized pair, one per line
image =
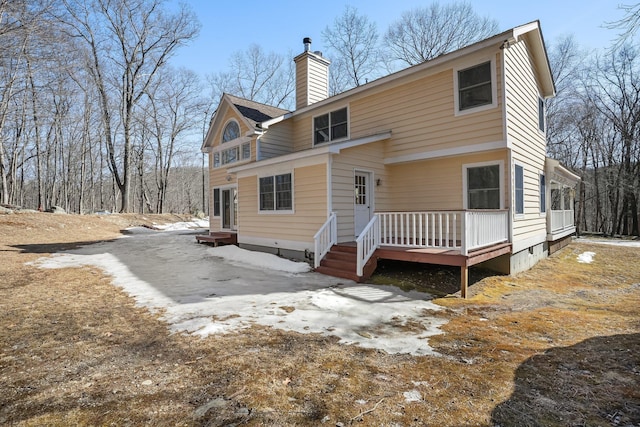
(218, 237)
(431, 256)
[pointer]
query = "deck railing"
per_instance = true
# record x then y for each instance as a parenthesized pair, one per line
(460, 230)
(367, 243)
(484, 228)
(561, 219)
(326, 237)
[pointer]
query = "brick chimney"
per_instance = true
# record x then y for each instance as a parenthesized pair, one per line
(312, 76)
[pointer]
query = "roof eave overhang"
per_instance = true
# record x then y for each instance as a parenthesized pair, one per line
(533, 33)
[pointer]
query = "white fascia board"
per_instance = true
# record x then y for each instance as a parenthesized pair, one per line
(281, 159)
(317, 151)
(553, 166)
(446, 152)
(523, 29)
(267, 123)
(336, 148)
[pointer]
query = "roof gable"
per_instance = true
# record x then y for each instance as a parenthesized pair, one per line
(251, 113)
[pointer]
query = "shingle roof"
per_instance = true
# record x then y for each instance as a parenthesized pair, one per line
(256, 112)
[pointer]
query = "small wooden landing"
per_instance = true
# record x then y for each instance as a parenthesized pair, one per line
(218, 237)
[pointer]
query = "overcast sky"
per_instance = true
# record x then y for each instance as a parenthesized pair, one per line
(279, 26)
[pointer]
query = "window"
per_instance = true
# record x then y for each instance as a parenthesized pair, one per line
(246, 151)
(556, 199)
(231, 132)
(233, 154)
(567, 198)
(216, 202)
(543, 194)
(519, 187)
(276, 193)
(474, 86)
(483, 187)
(541, 116)
(331, 126)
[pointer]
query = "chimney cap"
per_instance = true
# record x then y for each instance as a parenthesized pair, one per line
(306, 40)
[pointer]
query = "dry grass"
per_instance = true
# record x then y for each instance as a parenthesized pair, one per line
(557, 345)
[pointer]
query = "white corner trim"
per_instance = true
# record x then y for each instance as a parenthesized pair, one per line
(446, 152)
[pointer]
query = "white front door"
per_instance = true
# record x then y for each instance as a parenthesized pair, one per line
(363, 200)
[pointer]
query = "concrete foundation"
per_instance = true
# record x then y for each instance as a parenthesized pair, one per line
(284, 253)
(518, 262)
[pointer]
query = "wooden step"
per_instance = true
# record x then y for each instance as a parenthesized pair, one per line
(339, 273)
(341, 261)
(339, 264)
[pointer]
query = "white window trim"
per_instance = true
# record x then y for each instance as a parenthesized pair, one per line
(515, 214)
(237, 143)
(544, 115)
(546, 197)
(330, 141)
(223, 188)
(225, 126)
(494, 88)
(500, 163)
(293, 200)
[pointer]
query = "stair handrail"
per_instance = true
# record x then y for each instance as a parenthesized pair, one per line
(367, 243)
(325, 238)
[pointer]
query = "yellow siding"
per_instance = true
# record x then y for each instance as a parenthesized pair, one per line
(277, 141)
(318, 79)
(302, 133)
(432, 184)
(422, 118)
(527, 142)
(366, 158)
(418, 109)
(310, 208)
(302, 67)
(312, 75)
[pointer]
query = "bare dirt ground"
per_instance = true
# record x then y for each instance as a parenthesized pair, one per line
(558, 345)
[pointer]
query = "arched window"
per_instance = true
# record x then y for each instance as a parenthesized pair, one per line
(231, 131)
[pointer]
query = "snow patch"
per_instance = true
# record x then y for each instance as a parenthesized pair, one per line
(186, 225)
(244, 257)
(412, 396)
(201, 295)
(586, 257)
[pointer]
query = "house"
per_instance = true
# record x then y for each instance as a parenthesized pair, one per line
(443, 162)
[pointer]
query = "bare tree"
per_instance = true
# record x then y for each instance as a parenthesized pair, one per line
(259, 76)
(353, 40)
(628, 25)
(129, 41)
(174, 105)
(424, 33)
(617, 96)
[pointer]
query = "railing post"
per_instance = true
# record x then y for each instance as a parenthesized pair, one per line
(464, 234)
